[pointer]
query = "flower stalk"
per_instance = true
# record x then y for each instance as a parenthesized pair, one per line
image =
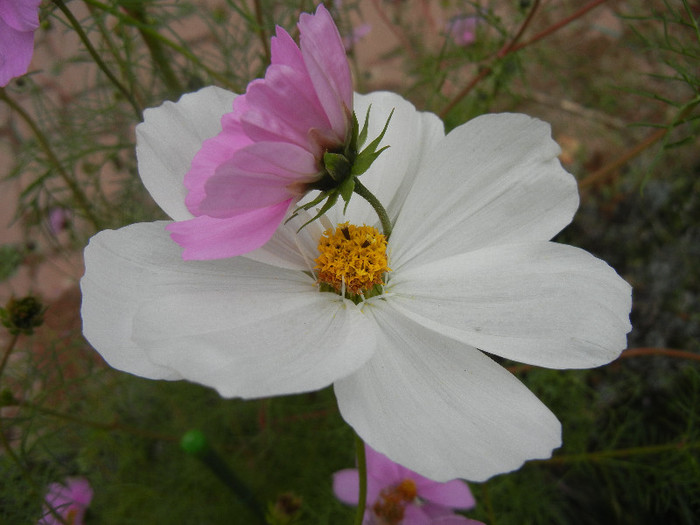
(196, 444)
(362, 470)
(96, 57)
(78, 195)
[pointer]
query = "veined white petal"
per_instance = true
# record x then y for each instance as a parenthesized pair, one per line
(494, 180)
(291, 247)
(410, 135)
(442, 408)
(245, 328)
(112, 290)
(256, 337)
(168, 139)
(541, 303)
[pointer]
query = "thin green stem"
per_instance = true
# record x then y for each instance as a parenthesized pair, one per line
(96, 57)
(110, 427)
(621, 453)
(8, 351)
(514, 45)
(363, 192)
(362, 471)
(6, 444)
(155, 48)
(145, 28)
(78, 195)
(261, 30)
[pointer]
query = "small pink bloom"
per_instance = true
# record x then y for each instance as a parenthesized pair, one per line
(243, 181)
(397, 495)
(462, 29)
(357, 34)
(18, 21)
(70, 501)
(59, 218)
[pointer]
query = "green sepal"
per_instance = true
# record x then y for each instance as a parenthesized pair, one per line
(364, 161)
(337, 165)
(332, 199)
(372, 147)
(308, 205)
(346, 188)
(363, 134)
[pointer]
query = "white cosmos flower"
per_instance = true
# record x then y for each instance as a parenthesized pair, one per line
(472, 270)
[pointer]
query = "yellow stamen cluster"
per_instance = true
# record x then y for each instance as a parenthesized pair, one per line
(391, 504)
(354, 256)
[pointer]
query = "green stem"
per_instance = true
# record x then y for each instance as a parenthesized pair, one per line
(96, 57)
(8, 447)
(8, 351)
(146, 29)
(261, 30)
(621, 453)
(194, 442)
(78, 194)
(362, 471)
(363, 192)
(155, 48)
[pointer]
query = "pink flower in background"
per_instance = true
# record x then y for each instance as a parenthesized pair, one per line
(357, 34)
(462, 29)
(397, 495)
(18, 21)
(243, 181)
(69, 500)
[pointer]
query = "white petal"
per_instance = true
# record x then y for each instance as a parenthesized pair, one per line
(410, 135)
(242, 327)
(494, 180)
(168, 139)
(441, 408)
(290, 247)
(112, 290)
(541, 303)
(249, 342)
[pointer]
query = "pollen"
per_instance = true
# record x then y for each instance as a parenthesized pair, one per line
(353, 257)
(391, 504)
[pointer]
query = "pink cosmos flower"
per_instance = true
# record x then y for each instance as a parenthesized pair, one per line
(397, 495)
(462, 29)
(269, 153)
(69, 500)
(357, 34)
(18, 21)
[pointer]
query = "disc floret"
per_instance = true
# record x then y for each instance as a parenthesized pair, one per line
(352, 261)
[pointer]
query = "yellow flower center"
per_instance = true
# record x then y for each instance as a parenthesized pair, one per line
(352, 259)
(392, 501)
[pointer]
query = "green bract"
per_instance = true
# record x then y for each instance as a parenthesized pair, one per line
(342, 167)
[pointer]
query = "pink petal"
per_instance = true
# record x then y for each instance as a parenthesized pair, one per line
(414, 515)
(284, 51)
(346, 486)
(284, 106)
(324, 56)
(205, 238)
(21, 15)
(214, 152)
(383, 469)
(454, 494)
(259, 175)
(80, 490)
(16, 50)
